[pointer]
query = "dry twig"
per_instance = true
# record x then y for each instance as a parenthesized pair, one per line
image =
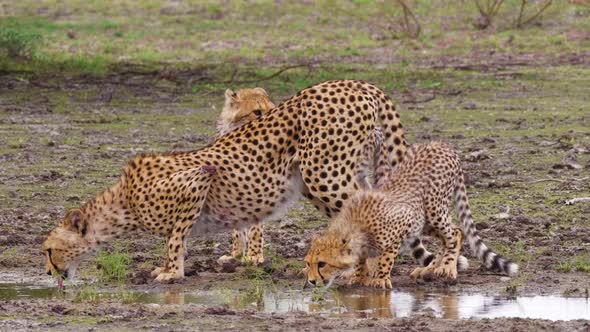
(521, 21)
(409, 16)
(487, 11)
(232, 80)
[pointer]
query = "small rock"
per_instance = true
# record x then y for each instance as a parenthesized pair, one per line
(567, 165)
(219, 311)
(227, 264)
(477, 155)
(501, 216)
(482, 225)
(470, 106)
(458, 136)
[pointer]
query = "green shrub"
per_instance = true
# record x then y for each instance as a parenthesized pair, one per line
(18, 42)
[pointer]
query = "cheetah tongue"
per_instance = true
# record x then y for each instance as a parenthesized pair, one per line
(60, 284)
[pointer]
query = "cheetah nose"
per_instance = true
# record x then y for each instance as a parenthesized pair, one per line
(48, 273)
(312, 282)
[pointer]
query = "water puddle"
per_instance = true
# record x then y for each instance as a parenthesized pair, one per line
(346, 302)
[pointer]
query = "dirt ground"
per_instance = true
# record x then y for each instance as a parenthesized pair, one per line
(526, 152)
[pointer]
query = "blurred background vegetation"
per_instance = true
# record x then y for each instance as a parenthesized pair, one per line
(100, 37)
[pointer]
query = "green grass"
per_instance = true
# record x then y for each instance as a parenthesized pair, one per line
(88, 293)
(91, 294)
(74, 36)
(113, 265)
(580, 263)
(18, 42)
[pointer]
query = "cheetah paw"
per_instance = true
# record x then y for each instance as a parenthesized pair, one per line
(157, 271)
(168, 276)
(254, 259)
(449, 272)
(422, 272)
(361, 281)
(384, 283)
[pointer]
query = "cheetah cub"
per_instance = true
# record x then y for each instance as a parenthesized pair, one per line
(241, 107)
(412, 198)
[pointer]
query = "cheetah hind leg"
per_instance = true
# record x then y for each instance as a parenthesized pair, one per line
(426, 272)
(447, 266)
(192, 198)
(444, 265)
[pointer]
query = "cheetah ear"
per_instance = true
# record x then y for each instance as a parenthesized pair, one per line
(74, 221)
(230, 95)
(261, 91)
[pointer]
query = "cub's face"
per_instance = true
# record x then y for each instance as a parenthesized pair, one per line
(241, 107)
(327, 259)
(65, 246)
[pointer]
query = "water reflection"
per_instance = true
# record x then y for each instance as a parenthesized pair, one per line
(349, 302)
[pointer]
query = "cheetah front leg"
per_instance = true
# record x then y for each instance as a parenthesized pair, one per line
(189, 200)
(255, 243)
(361, 274)
(382, 274)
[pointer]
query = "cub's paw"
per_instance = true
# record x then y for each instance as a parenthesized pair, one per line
(157, 271)
(424, 273)
(168, 276)
(447, 271)
(361, 281)
(383, 283)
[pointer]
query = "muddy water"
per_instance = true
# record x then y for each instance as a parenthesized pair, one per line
(344, 302)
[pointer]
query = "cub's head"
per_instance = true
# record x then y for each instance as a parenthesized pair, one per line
(329, 257)
(241, 107)
(66, 245)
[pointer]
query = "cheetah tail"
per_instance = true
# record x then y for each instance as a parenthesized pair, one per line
(393, 146)
(491, 260)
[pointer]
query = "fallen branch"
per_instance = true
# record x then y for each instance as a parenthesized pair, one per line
(266, 78)
(559, 180)
(409, 15)
(519, 21)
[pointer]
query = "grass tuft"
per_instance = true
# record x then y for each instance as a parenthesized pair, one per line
(579, 263)
(113, 265)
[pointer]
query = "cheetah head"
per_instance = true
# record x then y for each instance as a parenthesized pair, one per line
(241, 107)
(66, 245)
(331, 256)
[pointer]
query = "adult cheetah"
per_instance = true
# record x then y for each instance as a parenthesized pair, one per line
(311, 144)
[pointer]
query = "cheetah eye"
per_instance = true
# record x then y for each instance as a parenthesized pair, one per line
(257, 112)
(321, 264)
